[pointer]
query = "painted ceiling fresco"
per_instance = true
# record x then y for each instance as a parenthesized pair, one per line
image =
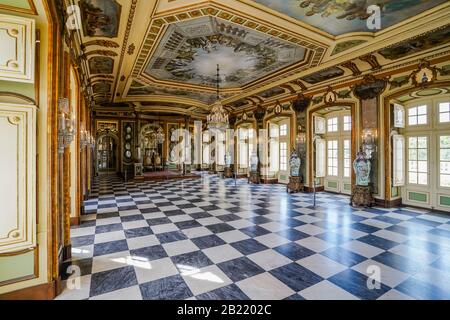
(99, 65)
(190, 51)
(142, 90)
(342, 16)
(100, 18)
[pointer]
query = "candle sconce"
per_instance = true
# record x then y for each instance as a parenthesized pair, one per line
(66, 125)
(369, 142)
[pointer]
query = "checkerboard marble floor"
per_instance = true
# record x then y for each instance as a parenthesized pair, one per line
(209, 239)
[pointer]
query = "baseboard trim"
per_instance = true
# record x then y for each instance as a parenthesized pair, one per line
(388, 203)
(311, 190)
(46, 291)
(67, 252)
(75, 221)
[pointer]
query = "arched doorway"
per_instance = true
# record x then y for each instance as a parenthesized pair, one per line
(107, 154)
(152, 139)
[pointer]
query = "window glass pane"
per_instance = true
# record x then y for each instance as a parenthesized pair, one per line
(332, 124)
(422, 142)
(422, 110)
(445, 167)
(422, 178)
(283, 130)
(418, 160)
(412, 112)
(444, 107)
(332, 157)
(445, 142)
(445, 180)
(422, 119)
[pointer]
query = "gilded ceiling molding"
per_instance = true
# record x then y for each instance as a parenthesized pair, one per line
(31, 10)
(372, 60)
(106, 53)
(126, 37)
(352, 67)
(101, 43)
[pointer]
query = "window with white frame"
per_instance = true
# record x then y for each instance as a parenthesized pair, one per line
(347, 158)
(347, 123)
(243, 159)
(418, 160)
(444, 167)
(332, 124)
(320, 158)
(417, 115)
(283, 130)
(333, 162)
(444, 112)
(283, 156)
(398, 161)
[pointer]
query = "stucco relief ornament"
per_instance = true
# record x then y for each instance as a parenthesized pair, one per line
(362, 167)
(295, 163)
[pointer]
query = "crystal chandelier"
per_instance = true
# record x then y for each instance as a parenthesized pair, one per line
(218, 117)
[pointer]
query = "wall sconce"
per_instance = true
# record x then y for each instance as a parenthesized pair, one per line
(86, 139)
(66, 125)
(368, 142)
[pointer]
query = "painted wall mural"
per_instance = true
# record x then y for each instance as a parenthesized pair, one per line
(418, 44)
(100, 18)
(323, 75)
(190, 51)
(346, 45)
(342, 16)
(103, 65)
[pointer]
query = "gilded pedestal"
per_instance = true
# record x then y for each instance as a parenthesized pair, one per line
(294, 185)
(362, 196)
(228, 172)
(254, 178)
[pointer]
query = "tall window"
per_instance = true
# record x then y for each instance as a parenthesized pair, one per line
(347, 158)
(417, 115)
(283, 130)
(347, 123)
(333, 157)
(283, 156)
(418, 160)
(243, 159)
(444, 112)
(444, 170)
(332, 124)
(250, 144)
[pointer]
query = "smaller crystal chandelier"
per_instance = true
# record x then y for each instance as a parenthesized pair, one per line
(66, 125)
(218, 117)
(160, 136)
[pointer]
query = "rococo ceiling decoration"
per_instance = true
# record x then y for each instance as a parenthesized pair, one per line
(190, 50)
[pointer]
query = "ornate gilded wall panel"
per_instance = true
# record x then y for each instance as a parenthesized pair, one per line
(17, 52)
(17, 183)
